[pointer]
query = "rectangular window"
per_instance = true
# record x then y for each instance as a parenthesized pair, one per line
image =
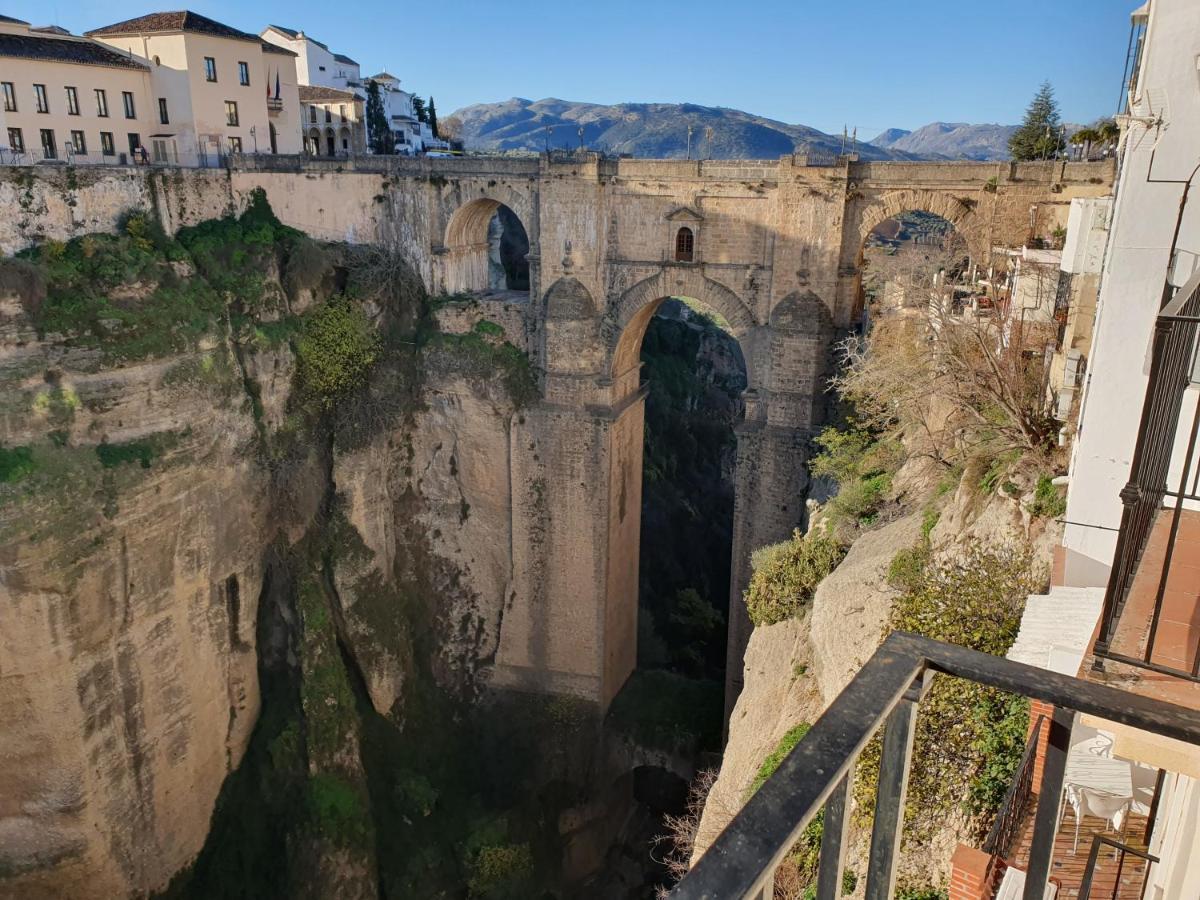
(127, 98)
(107, 147)
(10, 96)
(210, 69)
(235, 145)
(163, 118)
(231, 116)
(39, 96)
(16, 141)
(78, 142)
(72, 102)
(101, 103)
(342, 111)
(243, 73)
(328, 114)
(135, 141)
(49, 149)
(312, 114)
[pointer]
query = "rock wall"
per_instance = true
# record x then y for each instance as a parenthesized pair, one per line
(796, 668)
(128, 599)
(166, 498)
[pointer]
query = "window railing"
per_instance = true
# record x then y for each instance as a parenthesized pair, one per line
(1172, 362)
(886, 692)
(1086, 891)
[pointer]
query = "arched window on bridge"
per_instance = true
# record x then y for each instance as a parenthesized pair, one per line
(684, 245)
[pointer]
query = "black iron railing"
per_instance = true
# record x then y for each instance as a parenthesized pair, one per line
(1086, 891)
(740, 864)
(1004, 830)
(1172, 363)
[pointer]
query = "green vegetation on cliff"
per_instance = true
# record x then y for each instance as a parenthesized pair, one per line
(403, 798)
(786, 575)
(969, 737)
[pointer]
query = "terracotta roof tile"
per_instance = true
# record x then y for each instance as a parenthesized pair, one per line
(182, 20)
(84, 53)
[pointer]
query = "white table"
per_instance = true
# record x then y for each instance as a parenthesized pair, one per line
(1097, 785)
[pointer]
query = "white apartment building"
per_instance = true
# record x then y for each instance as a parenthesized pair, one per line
(69, 98)
(408, 134)
(216, 90)
(1132, 519)
(1153, 248)
(316, 64)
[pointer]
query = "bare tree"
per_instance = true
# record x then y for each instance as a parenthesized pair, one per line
(952, 380)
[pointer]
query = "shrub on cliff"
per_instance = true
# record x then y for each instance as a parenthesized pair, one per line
(336, 349)
(862, 465)
(120, 294)
(787, 574)
(968, 737)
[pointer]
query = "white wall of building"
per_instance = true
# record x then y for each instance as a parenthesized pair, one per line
(1161, 152)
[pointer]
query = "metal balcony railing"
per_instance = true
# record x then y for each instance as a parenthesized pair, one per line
(1086, 889)
(740, 864)
(1004, 830)
(1172, 364)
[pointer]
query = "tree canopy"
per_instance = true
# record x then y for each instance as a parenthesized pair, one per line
(1040, 135)
(377, 123)
(432, 113)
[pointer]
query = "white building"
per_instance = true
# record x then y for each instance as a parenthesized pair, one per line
(316, 64)
(1145, 258)
(1148, 638)
(408, 134)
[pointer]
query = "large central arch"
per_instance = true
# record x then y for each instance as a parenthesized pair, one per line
(633, 311)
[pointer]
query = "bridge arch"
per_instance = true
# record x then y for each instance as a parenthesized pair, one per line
(467, 242)
(958, 211)
(631, 315)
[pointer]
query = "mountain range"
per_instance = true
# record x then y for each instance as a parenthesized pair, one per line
(660, 131)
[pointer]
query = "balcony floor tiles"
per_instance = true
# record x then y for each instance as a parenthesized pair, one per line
(1068, 867)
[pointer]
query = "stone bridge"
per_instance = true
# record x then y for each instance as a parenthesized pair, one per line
(774, 247)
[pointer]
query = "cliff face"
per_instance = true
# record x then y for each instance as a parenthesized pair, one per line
(796, 668)
(128, 598)
(160, 477)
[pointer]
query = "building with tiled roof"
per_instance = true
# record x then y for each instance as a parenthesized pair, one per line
(334, 120)
(217, 89)
(69, 98)
(182, 21)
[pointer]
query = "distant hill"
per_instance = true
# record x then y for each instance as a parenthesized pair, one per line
(949, 140)
(890, 136)
(659, 131)
(649, 130)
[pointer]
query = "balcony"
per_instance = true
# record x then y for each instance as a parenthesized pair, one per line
(1150, 625)
(886, 693)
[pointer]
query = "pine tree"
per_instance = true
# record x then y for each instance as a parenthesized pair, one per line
(1040, 135)
(432, 112)
(419, 109)
(377, 122)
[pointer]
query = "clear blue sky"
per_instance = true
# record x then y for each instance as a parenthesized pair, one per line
(868, 63)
